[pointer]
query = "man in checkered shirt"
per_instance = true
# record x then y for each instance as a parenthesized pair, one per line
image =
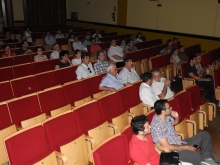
(163, 133)
(101, 65)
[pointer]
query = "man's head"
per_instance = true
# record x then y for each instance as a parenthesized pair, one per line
(181, 49)
(12, 36)
(162, 107)
(192, 59)
(76, 38)
(198, 59)
(131, 43)
(169, 42)
(93, 42)
(175, 51)
(25, 44)
(123, 42)
(59, 32)
(147, 78)
(140, 125)
(112, 69)
(101, 56)
(87, 37)
(128, 63)
(56, 47)
(175, 40)
(113, 42)
(85, 57)
(156, 74)
(48, 34)
(64, 55)
(39, 51)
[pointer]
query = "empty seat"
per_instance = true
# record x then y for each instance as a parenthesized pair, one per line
(23, 70)
(75, 93)
(29, 146)
(23, 86)
(6, 73)
(41, 66)
(8, 61)
(46, 80)
(63, 135)
(67, 74)
(52, 101)
(6, 91)
(25, 111)
(22, 59)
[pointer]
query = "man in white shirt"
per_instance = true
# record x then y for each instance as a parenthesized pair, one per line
(116, 54)
(159, 86)
(146, 93)
(128, 74)
(49, 39)
(78, 45)
(56, 52)
(85, 69)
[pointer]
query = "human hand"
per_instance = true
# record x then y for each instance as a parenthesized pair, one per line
(167, 82)
(174, 114)
(112, 89)
(190, 148)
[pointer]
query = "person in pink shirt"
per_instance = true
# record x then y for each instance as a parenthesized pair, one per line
(94, 48)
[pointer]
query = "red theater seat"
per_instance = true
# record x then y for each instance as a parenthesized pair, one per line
(23, 70)
(42, 66)
(6, 73)
(22, 59)
(6, 91)
(8, 61)
(67, 74)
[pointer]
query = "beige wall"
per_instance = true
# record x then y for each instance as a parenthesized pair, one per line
(186, 16)
(96, 11)
(18, 10)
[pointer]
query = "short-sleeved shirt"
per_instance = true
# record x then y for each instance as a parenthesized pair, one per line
(143, 152)
(40, 58)
(86, 42)
(54, 54)
(117, 50)
(157, 88)
(78, 45)
(147, 95)
(84, 71)
(100, 67)
(76, 61)
(164, 129)
(129, 76)
(112, 81)
(190, 69)
(94, 48)
(62, 65)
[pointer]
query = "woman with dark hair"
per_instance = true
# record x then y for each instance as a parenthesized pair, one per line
(77, 57)
(39, 56)
(138, 38)
(64, 60)
(27, 34)
(8, 52)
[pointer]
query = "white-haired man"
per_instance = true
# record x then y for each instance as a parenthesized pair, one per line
(112, 81)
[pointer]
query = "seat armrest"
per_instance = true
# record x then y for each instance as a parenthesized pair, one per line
(62, 159)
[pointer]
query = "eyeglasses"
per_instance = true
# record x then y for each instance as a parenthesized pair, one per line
(89, 70)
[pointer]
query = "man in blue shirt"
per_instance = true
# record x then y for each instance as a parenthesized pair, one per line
(112, 81)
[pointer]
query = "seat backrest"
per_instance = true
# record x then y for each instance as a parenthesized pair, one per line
(194, 96)
(111, 106)
(6, 73)
(114, 154)
(23, 70)
(6, 91)
(45, 80)
(51, 99)
(41, 66)
(67, 74)
(24, 108)
(22, 59)
(53, 63)
(23, 86)
(8, 61)
(175, 106)
(216, 78)
(74, 91)
(27, 146)
(5, 118)
(91, 113)
(150, 115)
(127, 134)
(60, 130)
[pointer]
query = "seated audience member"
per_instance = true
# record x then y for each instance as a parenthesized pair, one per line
(200, 69)
(59, 34)
(23, 37)
(87, 41)
(49, 39)
(101, 64)
(77, 57)
(1, 42)
(12, 38)
(64, 60)
(116, 54)
(128, 74)
(27, 34)
(24, 49)
(85, 69)
(163, 133)
(141, 146)
(56, 52)
(161, 86)
(70, 31)
(146, 93)
(131, 46)
(175, 43)
(168, 48)
(112, 81)
(182, 54)
(97, 34)
(138, 38)
(96, 37)
(174, 59)
(70, 38)
(124, 46)
(39, 56)
(133, 37)
(191, 72)
(94, 48)
(8, 52)
(77, 44)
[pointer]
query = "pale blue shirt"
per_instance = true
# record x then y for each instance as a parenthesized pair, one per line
(112, 81)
